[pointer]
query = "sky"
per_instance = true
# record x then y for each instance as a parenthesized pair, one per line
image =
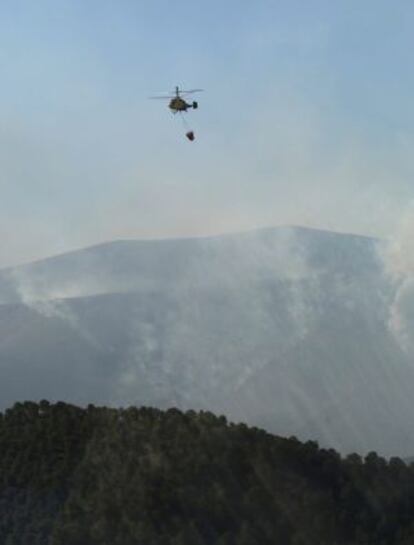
(307, 119)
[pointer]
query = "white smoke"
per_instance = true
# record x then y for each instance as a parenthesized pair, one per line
(49, 302)
(225, 322)
(398, 258)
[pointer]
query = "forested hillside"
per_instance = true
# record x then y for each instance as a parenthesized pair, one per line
(95, 476)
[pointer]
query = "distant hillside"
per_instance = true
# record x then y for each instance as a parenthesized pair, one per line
(285, 328)
(71, 476)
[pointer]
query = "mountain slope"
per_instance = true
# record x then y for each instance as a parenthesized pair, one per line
(286, 328)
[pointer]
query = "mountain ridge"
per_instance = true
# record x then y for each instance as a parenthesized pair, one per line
(201, 238)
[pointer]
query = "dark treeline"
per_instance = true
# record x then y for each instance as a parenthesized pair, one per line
(100, 476)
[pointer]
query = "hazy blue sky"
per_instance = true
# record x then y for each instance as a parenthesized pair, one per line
(307, 119)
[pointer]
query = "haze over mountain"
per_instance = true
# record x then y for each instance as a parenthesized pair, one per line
(287, 328)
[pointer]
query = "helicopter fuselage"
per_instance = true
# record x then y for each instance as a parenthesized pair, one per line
(177, 104)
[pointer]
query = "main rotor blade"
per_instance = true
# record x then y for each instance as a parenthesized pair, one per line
(162, 98)
(192, 91)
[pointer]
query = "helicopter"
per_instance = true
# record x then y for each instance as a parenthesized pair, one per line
(177, 103)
